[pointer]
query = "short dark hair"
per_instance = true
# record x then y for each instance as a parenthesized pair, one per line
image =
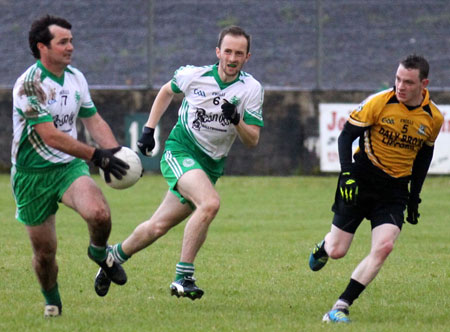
(234, 31)
(40, 33)
(415, 61)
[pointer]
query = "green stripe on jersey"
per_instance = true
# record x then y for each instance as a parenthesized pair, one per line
(184, 113)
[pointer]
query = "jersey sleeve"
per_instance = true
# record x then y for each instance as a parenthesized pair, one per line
(87, 107)
(366, 114)
(30, 98)
(182, 78)
(253, 110)
(437, 124)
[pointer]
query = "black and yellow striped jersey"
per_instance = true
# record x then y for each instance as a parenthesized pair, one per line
(395, 133)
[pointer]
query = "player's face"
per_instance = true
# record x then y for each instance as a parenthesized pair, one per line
(232, 56)
(408, 86)
(59, 52)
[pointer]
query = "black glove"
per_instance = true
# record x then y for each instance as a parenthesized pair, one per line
(147, 142)
(104, 158)
(348, 188)
(413, 209)
(230, 113)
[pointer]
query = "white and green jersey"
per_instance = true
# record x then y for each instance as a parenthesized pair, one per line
(39, 96)
(200, 118)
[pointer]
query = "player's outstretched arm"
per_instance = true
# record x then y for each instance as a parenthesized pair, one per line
(160, 105)
(146, 142)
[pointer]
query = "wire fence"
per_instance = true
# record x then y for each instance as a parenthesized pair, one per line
(296, 44)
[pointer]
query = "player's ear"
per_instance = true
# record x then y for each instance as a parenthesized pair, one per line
(218, 52)
(41, 46)
(425, 82)
(248, 56)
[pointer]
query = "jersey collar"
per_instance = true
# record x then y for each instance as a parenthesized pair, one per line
(46, 73)
(219, 81)
(425, 101)
(426, 97)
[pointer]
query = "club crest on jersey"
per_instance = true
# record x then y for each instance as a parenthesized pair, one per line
(361, 105)
(188, 162)
(421, 130)
(235, 100)
(52, 97)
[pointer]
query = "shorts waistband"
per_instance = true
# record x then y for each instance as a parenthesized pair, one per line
(47, 169)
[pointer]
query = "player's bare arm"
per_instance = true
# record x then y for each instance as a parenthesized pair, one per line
(63, 142)
(248, 134)
(100, 131)
(162, 101)
(160, 105)
(102, 158)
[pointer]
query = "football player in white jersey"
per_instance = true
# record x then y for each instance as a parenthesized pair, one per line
(48, 162)
(221, 102)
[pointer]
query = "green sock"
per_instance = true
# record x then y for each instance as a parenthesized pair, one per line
(98, 253)
(184, 270)
(52, 296)
(119, 255)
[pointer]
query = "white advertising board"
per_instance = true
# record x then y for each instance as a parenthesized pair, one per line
(332, 118)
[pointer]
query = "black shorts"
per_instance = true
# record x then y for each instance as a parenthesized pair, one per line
(378, 200)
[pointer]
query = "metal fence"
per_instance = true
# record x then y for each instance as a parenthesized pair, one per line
(297, 44)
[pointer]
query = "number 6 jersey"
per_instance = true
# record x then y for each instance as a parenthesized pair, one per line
(200, 119)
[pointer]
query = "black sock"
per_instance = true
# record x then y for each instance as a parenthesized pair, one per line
(352, 291)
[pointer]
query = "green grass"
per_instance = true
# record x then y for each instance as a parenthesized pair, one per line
(253, 266)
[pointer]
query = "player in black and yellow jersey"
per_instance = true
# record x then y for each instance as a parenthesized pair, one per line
(397, 129)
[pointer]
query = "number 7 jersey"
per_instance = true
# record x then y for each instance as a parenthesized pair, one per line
(39, 96)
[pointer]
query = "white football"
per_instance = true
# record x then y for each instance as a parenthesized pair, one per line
(134, 173)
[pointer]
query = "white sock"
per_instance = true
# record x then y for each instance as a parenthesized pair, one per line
(340, 304)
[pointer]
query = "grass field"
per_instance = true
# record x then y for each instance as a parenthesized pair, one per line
(253, 266)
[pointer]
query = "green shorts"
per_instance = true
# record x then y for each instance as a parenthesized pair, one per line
(38, 192)
(175, 163)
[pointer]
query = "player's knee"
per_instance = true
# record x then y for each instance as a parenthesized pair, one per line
(157, 229)
(45, 256)
(210, 207)
(100, 216)
(384, 248)
(336, 251)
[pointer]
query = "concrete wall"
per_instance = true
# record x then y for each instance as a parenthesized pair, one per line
(289, 139)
